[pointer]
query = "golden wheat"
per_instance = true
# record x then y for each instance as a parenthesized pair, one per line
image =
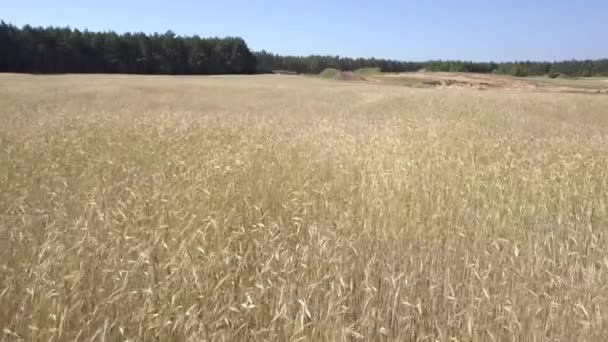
(294, 208)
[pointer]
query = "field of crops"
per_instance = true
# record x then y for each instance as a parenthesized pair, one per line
(297, 208)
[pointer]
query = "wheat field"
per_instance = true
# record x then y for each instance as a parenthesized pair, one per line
(276, 208)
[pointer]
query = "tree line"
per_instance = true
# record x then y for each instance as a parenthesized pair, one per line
(267, 62)
(64, 50)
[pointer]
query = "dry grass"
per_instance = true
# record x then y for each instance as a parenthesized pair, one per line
(294, 208)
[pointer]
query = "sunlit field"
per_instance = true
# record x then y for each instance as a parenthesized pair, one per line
(291, 208)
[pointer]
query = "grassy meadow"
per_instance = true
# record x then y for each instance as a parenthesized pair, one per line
(277, 208)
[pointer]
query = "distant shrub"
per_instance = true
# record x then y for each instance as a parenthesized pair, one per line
(329, 73)
(368, 71)
(558, 75)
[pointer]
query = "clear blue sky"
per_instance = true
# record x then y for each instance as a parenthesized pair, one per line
(408, 30)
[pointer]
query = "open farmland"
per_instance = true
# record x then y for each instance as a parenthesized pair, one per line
(297, 208)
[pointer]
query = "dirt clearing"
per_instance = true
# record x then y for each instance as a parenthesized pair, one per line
(488, 81)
